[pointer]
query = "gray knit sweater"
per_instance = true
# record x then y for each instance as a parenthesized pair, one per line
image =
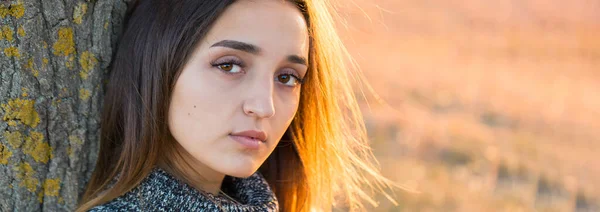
(161, 191)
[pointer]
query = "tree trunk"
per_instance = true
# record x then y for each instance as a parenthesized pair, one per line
(54, 57)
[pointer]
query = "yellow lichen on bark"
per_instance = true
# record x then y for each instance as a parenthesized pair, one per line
(74, 141)
(15, 10)
(12, 52)
(22, 110)
(35, 147)
(15, 139)
(24, 94)
(21, 31)
(7, 33)
(79, 12)
(4, 11)
(87, 60)
(31, 67)
(70, 62)
(65, 45)
(40, 196)
(84, 94)
(5, 154)
(25, 174)
(51, 187)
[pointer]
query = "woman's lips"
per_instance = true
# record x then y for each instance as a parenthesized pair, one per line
(248, 142)
(256, 134)
(251, 139)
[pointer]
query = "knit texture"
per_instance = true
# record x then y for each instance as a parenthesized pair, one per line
(160, 191)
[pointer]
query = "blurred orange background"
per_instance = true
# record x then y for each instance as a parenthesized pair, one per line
(489, 105)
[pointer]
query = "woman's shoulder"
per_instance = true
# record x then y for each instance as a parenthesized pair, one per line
(129, 201)
(157, 192)
(161, 191)
(115, 206)
(122, 203)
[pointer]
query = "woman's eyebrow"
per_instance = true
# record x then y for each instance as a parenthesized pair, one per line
(297, 59)
(253, 49)
(238, 45)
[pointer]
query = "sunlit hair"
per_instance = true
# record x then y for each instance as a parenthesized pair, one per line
(323, 159)
(329, 130)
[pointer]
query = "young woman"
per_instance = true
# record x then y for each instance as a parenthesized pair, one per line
(231, 106)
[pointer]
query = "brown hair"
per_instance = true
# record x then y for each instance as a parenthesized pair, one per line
(323, 153)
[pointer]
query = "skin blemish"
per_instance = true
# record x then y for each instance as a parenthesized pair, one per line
(12, 52)
(87, 60)
(194, 106)
(4, 154)
(22, 110)
(35, 147)
(84, 94)
(79, 12)
(26, 175)
(65, 45)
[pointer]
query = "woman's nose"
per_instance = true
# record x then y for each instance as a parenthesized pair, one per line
(259, 102)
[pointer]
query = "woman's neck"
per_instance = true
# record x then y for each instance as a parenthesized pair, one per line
(191, 171)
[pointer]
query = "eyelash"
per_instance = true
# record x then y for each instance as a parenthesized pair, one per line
(291, 73)
(235, 61)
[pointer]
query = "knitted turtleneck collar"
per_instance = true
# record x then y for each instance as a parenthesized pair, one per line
(160, 191)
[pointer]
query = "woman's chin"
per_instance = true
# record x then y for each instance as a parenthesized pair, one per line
(239, 170)
(241, 173)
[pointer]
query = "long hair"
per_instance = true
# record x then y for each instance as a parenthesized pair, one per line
(323, 155)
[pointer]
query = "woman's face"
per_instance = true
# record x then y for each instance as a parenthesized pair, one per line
(240, 86)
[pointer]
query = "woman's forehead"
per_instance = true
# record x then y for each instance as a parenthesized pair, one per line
(277, 27)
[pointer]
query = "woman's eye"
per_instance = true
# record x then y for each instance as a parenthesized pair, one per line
(288, 80)
(229, 67)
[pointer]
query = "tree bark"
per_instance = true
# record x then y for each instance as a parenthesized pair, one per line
(54, 58)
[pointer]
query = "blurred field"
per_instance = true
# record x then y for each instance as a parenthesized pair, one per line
(491, 105)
